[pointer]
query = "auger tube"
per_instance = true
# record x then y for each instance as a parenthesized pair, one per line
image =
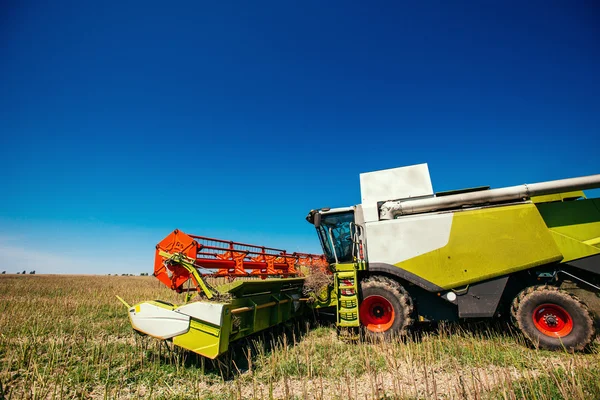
(392, 209)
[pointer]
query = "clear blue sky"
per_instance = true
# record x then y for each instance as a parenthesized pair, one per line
(120, 122)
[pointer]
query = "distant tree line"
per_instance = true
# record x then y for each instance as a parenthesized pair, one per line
(33, 273)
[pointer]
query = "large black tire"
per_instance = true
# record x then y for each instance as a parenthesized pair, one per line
(553, 319)
(386, 308)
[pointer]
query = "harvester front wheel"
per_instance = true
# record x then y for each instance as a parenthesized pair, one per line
(386, 307)
(553, 319)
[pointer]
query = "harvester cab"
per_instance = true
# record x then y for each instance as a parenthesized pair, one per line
(404, 254)
(338, 233)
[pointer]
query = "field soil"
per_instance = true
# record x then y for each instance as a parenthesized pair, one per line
(68, 337)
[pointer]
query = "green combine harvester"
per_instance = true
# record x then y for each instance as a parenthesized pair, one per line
(405, 254)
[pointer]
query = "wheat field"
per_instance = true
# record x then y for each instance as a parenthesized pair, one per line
(68, 337)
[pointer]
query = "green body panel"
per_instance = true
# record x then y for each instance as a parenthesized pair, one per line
(204, 339)
(558, 197)
(486, 243)
(341, 267)
(574, 225)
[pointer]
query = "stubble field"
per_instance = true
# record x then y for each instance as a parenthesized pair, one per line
(69, 337)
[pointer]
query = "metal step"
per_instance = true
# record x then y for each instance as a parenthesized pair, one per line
(346, 287)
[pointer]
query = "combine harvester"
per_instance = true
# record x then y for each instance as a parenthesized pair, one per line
(404, 254)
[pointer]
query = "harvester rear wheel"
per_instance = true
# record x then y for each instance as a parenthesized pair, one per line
(386, 307)
(553, 319)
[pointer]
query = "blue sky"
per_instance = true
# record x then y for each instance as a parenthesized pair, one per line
(120, 122)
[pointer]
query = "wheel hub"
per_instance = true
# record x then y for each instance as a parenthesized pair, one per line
(377, 313)
(552, 320)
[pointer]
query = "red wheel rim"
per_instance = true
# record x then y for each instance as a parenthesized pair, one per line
(552, 320)
(376, 313)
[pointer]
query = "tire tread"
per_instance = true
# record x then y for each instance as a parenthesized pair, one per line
(378, 281)
(532, 290)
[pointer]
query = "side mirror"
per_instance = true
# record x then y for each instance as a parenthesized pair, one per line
(317, 219)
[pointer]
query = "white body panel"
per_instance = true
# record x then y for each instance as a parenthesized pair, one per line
(157, 321)
(392, 184)
(207, 312)
(398, 240)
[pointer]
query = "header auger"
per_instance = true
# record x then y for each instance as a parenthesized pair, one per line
(405, 254)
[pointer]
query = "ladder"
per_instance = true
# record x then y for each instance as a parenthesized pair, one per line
(346, 287)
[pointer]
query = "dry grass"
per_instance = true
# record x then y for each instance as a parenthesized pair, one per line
(68, 337)
(316, 282)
